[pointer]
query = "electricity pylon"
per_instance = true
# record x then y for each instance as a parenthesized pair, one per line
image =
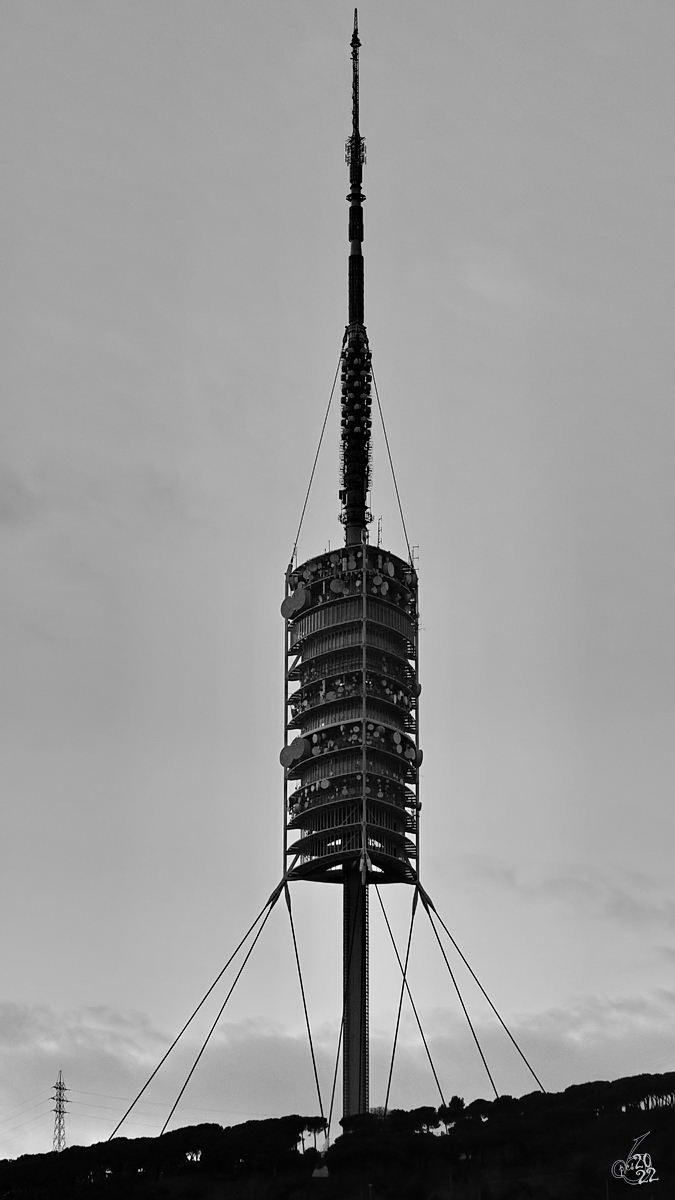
(60, 1102)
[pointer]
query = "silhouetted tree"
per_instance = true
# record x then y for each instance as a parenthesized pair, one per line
(451, 1113)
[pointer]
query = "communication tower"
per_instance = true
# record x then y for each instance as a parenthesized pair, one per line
(351, 753)
(60, 1102)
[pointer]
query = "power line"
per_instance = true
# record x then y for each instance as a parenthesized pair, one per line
(28, 1099)
(93, 1117)
(162, 1104)
(9, 1137)
(16, 1116)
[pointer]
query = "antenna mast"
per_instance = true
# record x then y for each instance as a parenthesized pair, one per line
(356, 377)
(355, 155)
(59, 1098)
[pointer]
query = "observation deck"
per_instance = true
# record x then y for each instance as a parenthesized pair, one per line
(351, 756)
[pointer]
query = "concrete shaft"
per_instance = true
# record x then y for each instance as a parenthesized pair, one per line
(355, 977)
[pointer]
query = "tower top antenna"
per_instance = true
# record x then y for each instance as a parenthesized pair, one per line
(355, 353)
(355, 155)
(355, 77)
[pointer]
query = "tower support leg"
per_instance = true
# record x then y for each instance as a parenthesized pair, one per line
(355, 983)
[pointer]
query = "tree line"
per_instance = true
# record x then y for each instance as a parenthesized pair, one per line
(508, 1147)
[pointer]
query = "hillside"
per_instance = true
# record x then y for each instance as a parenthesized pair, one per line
(537, 1146)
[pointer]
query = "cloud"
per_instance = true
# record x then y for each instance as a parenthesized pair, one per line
(258, 1069)
(98, 1030)
(667, 951)
(629, 897)
(590, 1038)
(250, 1069)
(595, 1020)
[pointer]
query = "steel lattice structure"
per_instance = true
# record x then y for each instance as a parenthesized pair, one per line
(59, 1098)
(351, 753)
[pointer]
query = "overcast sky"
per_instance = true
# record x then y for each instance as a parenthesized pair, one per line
(174, 297)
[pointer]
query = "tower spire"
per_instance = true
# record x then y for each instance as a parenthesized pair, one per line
(356, 378)
(355, 154)
(355, 43)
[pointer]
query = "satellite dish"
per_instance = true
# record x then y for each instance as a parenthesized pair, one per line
(291, 753)
(286, 757)
(293, 603)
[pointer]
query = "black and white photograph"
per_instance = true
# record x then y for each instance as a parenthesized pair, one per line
(337, 524)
